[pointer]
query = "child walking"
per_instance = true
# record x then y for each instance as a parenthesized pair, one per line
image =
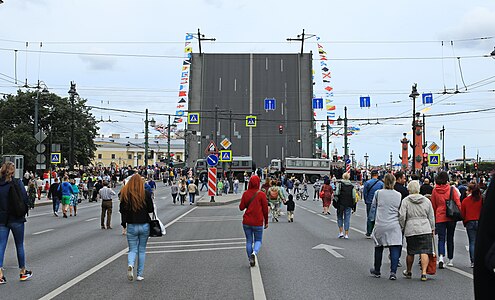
(291, 206)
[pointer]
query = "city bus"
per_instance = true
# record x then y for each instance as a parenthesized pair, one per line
(313, 168)
(239, 165)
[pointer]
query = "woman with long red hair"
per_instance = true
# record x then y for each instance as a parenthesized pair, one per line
(135, 206)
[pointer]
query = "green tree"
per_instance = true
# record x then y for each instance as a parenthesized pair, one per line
(55, 119)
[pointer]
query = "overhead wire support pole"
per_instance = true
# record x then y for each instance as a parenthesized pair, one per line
(301, 38)
(146, 140)
(201, 37)
(73, 93)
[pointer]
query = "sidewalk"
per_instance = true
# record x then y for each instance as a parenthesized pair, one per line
(204, 200)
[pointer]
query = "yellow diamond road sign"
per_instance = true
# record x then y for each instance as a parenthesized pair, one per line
(433, 147)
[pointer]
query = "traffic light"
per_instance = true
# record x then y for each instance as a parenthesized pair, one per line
(425, 158)
(280, 129)
(476, 166)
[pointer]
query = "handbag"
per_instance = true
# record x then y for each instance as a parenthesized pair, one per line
(431, 269)
(156, 227)
(452, 210)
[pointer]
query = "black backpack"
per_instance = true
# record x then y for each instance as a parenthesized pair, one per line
(17, 207)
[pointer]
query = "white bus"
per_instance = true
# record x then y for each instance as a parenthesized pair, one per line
(239, 165)
(313, 168)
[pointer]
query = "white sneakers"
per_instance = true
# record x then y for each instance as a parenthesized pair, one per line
(130, 273)
(140, 278)
(440, 261)
(450, 263)
(341, 235)
(346, 237)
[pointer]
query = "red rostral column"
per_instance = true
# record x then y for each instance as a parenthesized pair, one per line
(405, 155)
(418, 144)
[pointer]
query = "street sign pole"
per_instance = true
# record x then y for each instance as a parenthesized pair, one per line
(212, 183)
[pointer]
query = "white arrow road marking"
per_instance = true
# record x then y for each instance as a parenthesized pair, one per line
(44, 231)
(92, 219)
(330, 249)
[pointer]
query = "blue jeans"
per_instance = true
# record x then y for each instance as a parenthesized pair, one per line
(344, 217)
(253, 234)
(18, 232)
(471, 229)
(446, 229)
(394, 258)
(56, 203)
(137, 237)
(369, 224)
(191, 197)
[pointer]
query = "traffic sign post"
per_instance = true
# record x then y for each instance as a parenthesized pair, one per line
(55, 158)
(225, 155)
(212, 148)
(193, 118)
(212, 183)
(270, 103)
(225, 143)
(212, 160)
(434, 160)
(317, 103)
(250, 121)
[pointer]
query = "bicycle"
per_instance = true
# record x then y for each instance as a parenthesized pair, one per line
(303, 195)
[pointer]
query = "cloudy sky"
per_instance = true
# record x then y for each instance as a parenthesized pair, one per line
(128, 54)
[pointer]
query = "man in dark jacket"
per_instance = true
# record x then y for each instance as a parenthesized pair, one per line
(400, 180)
(55, 195)
(426, 188)
(484, 256)
(370, 187)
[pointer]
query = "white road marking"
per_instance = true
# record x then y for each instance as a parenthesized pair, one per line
(330, 249)
(257, 282)
(464, 273)
(196, 241)
(195, 245)
(468, 275)
(209, 220)
(193, 250)
(44, 231)
(334, 221)
(92, 219)
(93, 270)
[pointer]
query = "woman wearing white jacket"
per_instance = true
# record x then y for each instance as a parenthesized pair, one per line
(417, 220)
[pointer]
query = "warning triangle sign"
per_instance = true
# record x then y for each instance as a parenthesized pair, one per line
(212, 148)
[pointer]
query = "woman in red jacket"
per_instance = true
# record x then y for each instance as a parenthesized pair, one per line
(444, 226)
(255, 204)
(470, 209)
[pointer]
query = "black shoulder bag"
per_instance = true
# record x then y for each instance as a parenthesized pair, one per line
(452, 210)
(17, 207)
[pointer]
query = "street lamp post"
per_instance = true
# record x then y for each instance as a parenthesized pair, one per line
(352, 158)
(442, 137)
(366, 161)
(414, 94)
(146, 142)
(73, 93)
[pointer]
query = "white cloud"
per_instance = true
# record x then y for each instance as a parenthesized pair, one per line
(98, 63)
(477, 22)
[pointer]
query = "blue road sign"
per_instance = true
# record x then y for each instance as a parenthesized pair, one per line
(347, 161)
(250, 121)
(317, 103)
(55, 158)
(365, 101)
(427, 98)
(225, 155)
(193, 118)
(212, 160)
(270, 104)
(434, 160)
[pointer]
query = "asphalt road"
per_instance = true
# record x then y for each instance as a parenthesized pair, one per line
(202, 256)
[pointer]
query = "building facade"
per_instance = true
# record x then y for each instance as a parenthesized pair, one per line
(226, 88)
(118, 152)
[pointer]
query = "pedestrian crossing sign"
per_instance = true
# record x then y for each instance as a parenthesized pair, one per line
(225, 155)
(55, 158)
(433, 160)
(193, 118)
(250, 121)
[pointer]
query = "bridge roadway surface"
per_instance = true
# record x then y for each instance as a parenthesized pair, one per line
(202, 256)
